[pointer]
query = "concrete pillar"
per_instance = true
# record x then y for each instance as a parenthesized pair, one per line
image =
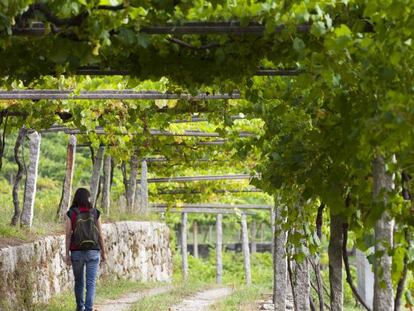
(365, 278)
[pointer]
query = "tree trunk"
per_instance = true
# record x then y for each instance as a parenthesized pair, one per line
(96, 174)
(195, 242)
(279, 261)
(184, 262)
(132, 182)
(383, 290)
(106, 191)
(144, 187)
(335, 262)
(19, 175)
(317, 265)
(67, 183)
(26, 218)
(246, 251)
(253, 237)
(301, 286)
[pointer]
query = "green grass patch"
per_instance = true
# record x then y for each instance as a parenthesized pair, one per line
(243, 298)
(164, 301)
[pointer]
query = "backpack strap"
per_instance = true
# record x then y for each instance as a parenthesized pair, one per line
(94, 211)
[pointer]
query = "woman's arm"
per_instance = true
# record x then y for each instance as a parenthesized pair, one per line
(68, 235)
(101, 241)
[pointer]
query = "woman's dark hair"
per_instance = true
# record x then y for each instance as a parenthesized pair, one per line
(81, 198)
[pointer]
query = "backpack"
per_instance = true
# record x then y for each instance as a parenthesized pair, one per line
(85, 232)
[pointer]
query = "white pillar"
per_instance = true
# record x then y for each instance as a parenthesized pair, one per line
(144, 187)
(67, 183)
(219, 245)
(365, 278)
(184, 262)
(246, 251)
(96, 174)
(26, 218)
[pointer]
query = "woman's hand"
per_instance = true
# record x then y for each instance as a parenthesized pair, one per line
(68, 260)
(103, 257)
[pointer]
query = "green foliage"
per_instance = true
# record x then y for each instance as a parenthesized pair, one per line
(315, 134)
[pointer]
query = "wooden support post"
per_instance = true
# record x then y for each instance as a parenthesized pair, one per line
(144, 187)
(253, 237)
(219, 243)
(184, 262)
(96, 174)
(246, 251)
(106, 191)
(195, 242)
(26, 218)
(67, 183)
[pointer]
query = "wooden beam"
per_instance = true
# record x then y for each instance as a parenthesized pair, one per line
(96, 71)
(213, 206)
(202, 178)
(192, 191)
(154, 132)
(187, 28)
(107, 94)
(197, 211)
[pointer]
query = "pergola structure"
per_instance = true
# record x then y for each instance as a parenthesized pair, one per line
(218, 28)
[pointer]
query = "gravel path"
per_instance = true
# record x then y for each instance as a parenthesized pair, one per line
(202, 300)
(125, 302)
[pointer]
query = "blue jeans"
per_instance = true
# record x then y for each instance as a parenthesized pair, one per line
(80, 260)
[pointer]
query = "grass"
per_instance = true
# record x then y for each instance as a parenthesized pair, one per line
(106, 289)
(243, 299)
(162, 302)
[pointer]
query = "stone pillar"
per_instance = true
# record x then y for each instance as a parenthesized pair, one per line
(26, 218)
(219, 245)
(96, 174)
(144, 187)
(195, 241)
(246, 251)
(365, 278)
(67, 183)
(184, 262)
(106, 188)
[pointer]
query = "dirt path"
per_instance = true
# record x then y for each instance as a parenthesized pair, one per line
(202, 300)
(125, 302)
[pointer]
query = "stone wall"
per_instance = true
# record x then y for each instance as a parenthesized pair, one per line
(34, 272)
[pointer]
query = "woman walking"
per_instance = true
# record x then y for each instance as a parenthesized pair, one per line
(85, 242)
